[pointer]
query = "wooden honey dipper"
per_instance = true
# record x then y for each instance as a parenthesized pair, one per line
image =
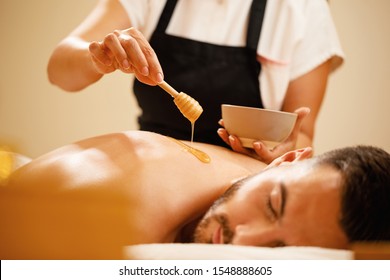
(189, 107)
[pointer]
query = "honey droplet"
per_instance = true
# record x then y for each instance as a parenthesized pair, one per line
(202, 156)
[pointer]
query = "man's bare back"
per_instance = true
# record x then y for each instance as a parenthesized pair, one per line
(91, 198)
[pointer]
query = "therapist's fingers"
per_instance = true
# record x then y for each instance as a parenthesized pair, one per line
(235, 143)
(142, 56)
(292, 156)
(129, 51)
(99, 54)
(267, 155)
(101, 58)
(260, 150)
(224, 135)
(112, 43)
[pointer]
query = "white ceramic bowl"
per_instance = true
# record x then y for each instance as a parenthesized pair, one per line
(251, 124)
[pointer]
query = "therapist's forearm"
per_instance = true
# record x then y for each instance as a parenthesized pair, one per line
(70, 66)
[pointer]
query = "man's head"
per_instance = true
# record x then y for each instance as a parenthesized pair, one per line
(365, 200)
(327, 201)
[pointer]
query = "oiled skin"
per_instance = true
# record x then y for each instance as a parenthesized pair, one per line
(91, 198)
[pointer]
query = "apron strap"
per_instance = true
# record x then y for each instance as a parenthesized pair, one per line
(166, 16)
(255, 23)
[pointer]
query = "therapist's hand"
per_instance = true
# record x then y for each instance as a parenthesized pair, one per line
(260, 151)
(128, 51)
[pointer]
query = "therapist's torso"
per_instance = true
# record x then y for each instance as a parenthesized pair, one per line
(212, 74)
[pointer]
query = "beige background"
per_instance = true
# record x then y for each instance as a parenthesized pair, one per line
(36, 117)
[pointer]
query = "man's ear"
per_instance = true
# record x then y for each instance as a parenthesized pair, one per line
(292, 156)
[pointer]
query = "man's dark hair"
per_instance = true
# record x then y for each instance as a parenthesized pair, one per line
(365, 200)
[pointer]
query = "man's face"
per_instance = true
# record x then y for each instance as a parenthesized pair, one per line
(293, 205)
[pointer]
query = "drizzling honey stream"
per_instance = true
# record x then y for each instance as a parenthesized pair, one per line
(191, 109)
(202, 156)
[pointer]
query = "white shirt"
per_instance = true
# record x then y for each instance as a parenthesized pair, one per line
(296, 37)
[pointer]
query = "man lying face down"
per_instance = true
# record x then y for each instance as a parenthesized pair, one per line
(89, 199)
(331, 200)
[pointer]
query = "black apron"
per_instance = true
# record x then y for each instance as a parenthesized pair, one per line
(211, 74)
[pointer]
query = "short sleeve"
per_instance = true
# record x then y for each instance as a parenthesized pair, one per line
(297, 36)
(143, 14)
(319, 41)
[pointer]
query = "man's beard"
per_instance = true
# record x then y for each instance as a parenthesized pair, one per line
(221, 220)
(201, 237)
